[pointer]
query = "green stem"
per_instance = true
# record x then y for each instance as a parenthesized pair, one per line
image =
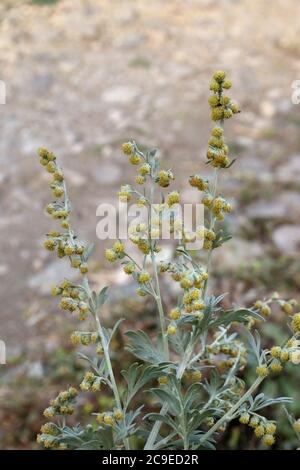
(160, 308)
(156, 427)
(229, 413)
(107, 358)
(211, 226)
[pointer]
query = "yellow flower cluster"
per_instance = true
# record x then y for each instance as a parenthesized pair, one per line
(48, 437)
(218, 206)
(129, 268)
(207, 235)
(222, 107)
(288, 307)
(164, 178)
(231, 349)
(263, 308)
(48, 160)
(295, 324)
(262, 370)
(163, 380)
(116, 252)
(72, 298)
(144, 277)
(289, 352)
(171, 330)
(173, 198)
(262, 428)
(110, 418)
(125, 193)
(217, 152)
(84, 337)
(197, 182)
(296, 425)
(64, 242)
(175, 314)
(62, 404)
(90, 382)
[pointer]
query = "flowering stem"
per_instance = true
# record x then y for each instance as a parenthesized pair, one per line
(229, 413)
(160, 309)
(156, 427)
(211, 226)
(157, 287)
(107, 357)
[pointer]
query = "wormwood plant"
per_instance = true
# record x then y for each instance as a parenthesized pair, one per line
(193, 368)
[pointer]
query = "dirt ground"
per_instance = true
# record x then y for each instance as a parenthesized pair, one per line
(82, 76)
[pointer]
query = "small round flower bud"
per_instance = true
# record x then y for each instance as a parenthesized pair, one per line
(110, 255)
(287, 308)
(118, 415)
(284, 355)
(51, 167)
(108, 420)
(270, 428)
(58, 191)
(100, 418)
(227, 84)
(49, 412)
(262, 371)
(196, 375)
(296, 425)
(213, 101)
(84, 268)
(144, 277)
(135, 159)
(254, 422)
(259, 430)
(219, 76)
(214, 86)
(49, 244)
(129, 268)
(145, 169)
(171, 330)
(69, 250)
(276, 366)
(296, 322)
(276, 351)
(268, 439)
(164, 178)
(295, 357)
(118, 247)
(265, 310)
(140, 292)
(163, 380)
(175, 314)
(75, 262)
(128, 148)
(139, 179)
(244, 418)
(173, 198)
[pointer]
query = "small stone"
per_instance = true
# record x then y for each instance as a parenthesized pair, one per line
(120, 95)
(35, 370)
(290, 171)
(287, 238)
(107, 174)
(74, 178)
(266, 210)
(42, 82)
(3, 269)
(267, 109)
(51, 274)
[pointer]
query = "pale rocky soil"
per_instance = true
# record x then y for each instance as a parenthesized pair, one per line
(83, 76)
